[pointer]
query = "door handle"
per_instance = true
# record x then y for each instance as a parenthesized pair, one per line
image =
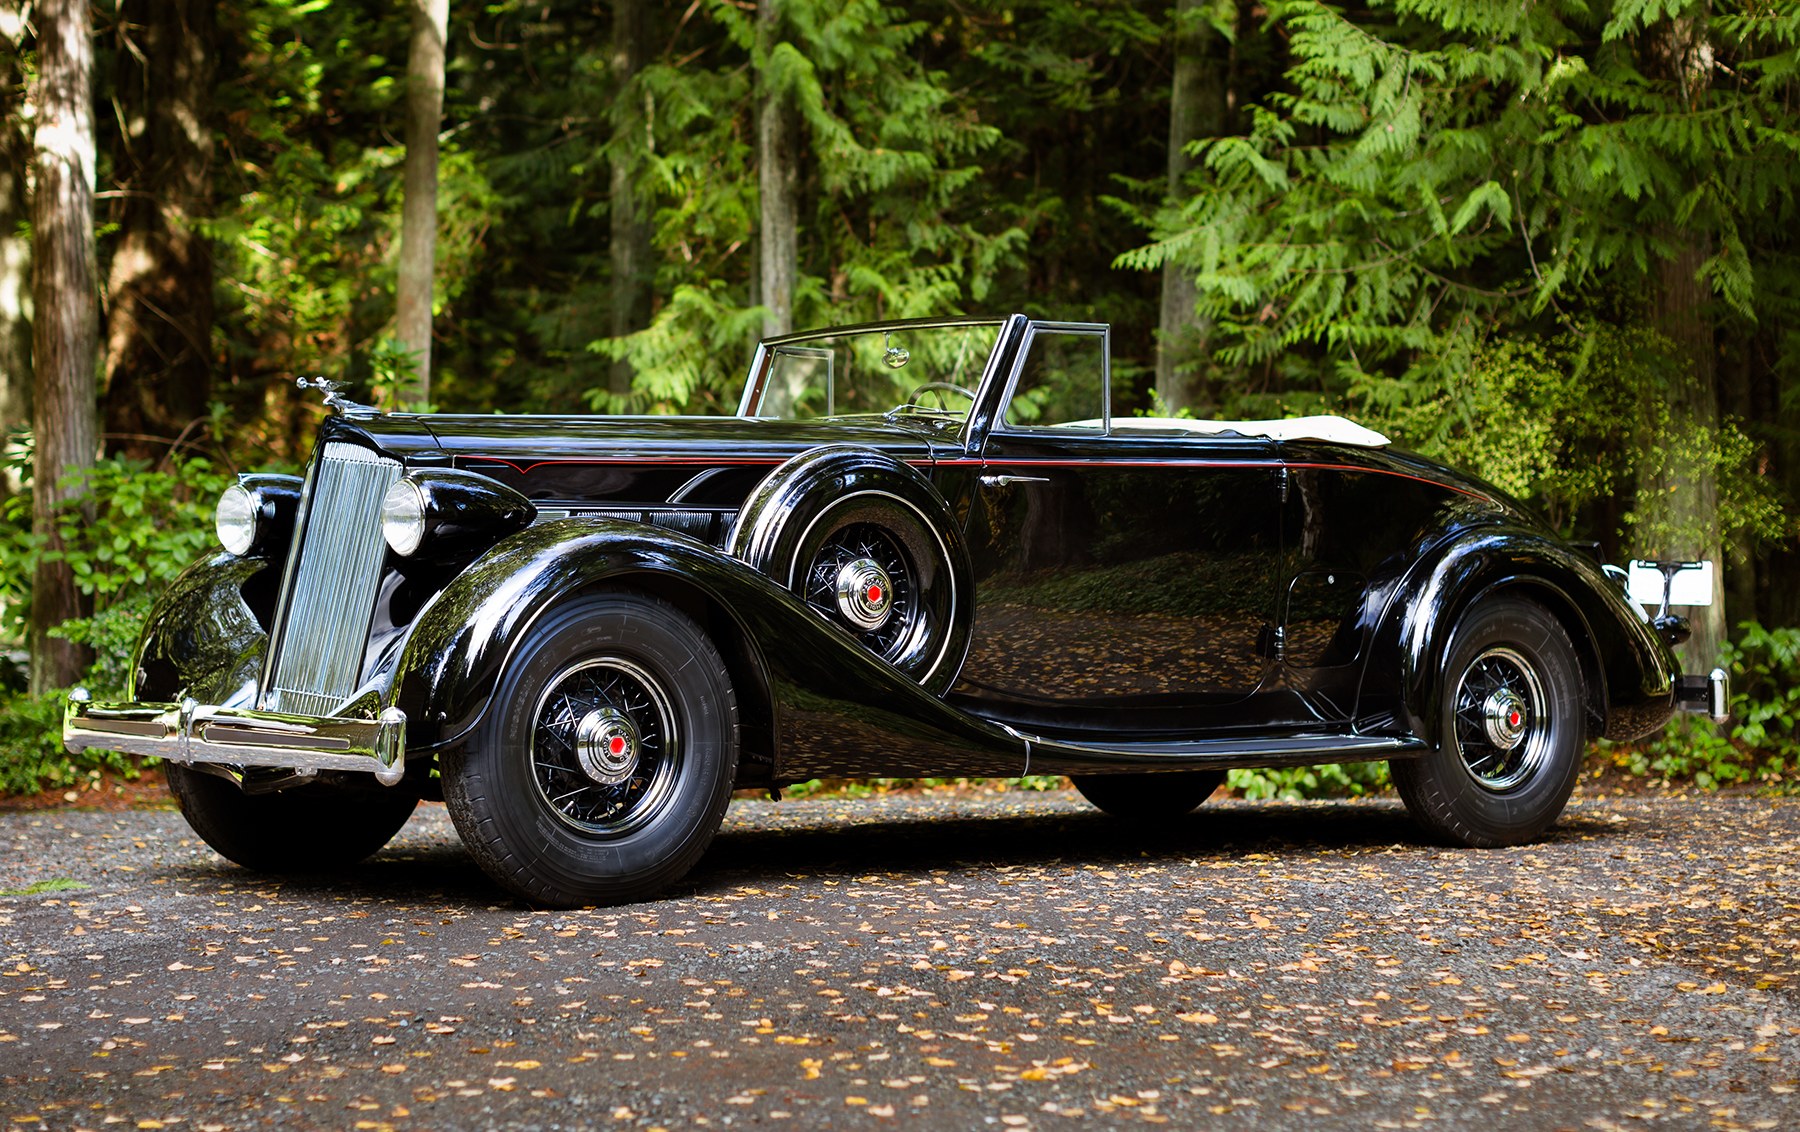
(1002, 481)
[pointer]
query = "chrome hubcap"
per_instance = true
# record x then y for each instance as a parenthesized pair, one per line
(1503, 724)
(606, 745)
(862, 580)
(865, 594)
(1505, 716)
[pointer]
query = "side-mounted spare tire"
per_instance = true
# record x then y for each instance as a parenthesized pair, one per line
(868, 543)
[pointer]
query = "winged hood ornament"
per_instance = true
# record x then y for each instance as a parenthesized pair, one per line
(333, 391)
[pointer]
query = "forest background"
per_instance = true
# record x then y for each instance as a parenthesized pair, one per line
(1553, 242)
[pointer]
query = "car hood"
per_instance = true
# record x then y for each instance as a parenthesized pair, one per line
(419, 437)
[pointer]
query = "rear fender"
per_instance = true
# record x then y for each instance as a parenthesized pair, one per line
(1628, 672)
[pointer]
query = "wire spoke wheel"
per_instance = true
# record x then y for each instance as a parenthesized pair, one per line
(1503, 725)
(863, 580)
(605, 752)
(603, 768)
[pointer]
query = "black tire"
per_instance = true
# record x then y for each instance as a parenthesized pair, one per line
(308, 829)
(836, 524)
(1512, 726)
(601, 773)
(1149, 797)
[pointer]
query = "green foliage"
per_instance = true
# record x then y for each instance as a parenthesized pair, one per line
(133, 531)
(39, 888)
(1760, 744)
(1430, 173)
(889, 180)
(1331, 780)
(870, 787)
(1574, 421)
(31, 751)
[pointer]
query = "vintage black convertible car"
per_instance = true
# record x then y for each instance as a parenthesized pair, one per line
(920, 548)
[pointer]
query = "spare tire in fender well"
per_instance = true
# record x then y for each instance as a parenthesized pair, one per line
(868, 542)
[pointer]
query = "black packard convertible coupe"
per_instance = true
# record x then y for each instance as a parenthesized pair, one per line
(920, 548)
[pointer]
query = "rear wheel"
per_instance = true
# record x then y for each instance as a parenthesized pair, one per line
(307, 829)
(1512, 730)
(1149, 797)
(602, 771)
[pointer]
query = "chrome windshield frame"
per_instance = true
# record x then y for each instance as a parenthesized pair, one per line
(760, 362)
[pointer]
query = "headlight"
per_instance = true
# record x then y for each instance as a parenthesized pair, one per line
(235, 520)
(446, 515)
(255, 515)
(403, 517)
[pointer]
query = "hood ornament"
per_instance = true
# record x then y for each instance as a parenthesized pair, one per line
(333, 390)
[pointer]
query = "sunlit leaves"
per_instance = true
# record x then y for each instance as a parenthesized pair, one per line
(891, 223)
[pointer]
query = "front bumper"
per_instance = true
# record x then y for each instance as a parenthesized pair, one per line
(1708, 695)
(188, 732)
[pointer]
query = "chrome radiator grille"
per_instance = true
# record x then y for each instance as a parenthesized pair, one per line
(333, 575)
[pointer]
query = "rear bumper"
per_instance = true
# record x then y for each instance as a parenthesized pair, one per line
(1708, 695)
(188, 732)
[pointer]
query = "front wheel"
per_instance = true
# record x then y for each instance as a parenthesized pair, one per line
(603, 768)
(315, 828)
(1511, 730)
(1149, 797)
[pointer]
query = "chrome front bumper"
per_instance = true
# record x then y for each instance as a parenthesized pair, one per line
(1708, 695)
(188, 732)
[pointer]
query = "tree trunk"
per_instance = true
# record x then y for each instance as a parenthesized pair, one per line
(67, 319)
(778, 182)
(15, 248)
(630, 247)
(418, 215)
(1678, 496)
(158, 351)
(1197, 108)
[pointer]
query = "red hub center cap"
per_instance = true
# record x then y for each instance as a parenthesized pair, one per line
(1513, 719)
(617, 746)
(874, 594)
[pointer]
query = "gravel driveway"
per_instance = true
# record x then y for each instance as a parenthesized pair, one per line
(1009, 961)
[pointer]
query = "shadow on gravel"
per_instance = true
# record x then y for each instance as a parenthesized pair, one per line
(442, 874)
(401, 877)
(1091, 838)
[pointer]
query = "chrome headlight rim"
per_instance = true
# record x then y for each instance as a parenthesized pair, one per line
(237, 519)
(403, 517)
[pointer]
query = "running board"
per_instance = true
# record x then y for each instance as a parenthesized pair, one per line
(1060, 756)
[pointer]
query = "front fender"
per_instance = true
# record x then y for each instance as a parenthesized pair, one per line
(832, 705)
(1629, 672)
(202, 638)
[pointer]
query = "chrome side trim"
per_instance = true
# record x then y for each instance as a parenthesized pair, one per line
(192, 733)
(1007, 480)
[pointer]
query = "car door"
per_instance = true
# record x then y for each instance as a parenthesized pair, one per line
(1124, 574)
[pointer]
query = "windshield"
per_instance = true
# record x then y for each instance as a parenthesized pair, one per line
(929, 369)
